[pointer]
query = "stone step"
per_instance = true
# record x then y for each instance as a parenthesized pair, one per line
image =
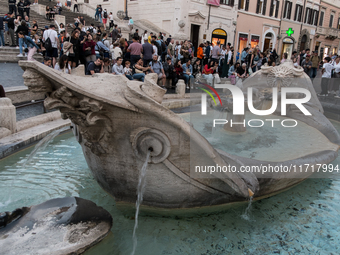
(12, 57)
(70, 15)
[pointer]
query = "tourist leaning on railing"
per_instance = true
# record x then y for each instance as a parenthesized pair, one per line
(32, 47)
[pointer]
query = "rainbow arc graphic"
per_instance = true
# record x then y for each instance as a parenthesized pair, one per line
(209, 93)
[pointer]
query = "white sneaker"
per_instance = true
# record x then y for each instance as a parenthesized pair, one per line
(17, 47)
(25, 55)
(20, 55)
(187, 87)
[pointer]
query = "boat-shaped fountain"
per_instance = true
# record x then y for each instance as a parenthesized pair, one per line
(118, 121)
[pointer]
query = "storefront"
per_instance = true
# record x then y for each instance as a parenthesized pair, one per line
(219, 35)
(242, 42)
(255, 39)
(288, 44)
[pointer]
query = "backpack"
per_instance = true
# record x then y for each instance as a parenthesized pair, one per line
(48, 44)
(163, 46)
(90, 30)
(159, 48)
(105, 15)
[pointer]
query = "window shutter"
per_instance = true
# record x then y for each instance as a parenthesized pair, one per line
(331, 21)
(306, 13)
(316, 18)
(321, 19)
(310, 19)
(277, 9)
(300, 13)
(296, 12)
(247, 5)
(258, 6)
(290, 9)
(271, 8)
(285, 9)
(239, 4)
(264, 7)
(231, 3)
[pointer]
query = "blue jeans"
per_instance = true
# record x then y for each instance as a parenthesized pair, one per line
(138, 76)
(187, 77)
(100, 17)
(2, 38)
(21, 42)
(313, 72)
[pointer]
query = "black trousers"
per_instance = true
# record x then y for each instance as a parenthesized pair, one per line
(74, 8)
(13, 8)
(21, 13)
(27, 10)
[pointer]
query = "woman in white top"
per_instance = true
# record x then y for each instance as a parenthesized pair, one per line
(63, 65)
(326, 75)
(145, 36)
(335, 81)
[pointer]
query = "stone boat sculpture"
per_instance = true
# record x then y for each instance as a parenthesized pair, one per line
(117, 121)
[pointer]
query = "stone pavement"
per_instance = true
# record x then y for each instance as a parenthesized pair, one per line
(11, 75)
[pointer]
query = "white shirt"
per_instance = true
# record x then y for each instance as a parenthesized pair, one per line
(223, 52)
(337, 67)
(328, 70)
(110, 17)
(127, 71)
(155, 50)
(229, 55)
(66, 70)
(52, 34)
(116, 52)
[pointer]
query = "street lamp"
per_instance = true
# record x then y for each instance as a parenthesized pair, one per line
(126, 11)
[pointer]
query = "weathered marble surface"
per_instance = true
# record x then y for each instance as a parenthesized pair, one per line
(59, 226)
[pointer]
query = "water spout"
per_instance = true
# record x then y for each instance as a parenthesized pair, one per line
(246, 214)
(41, 145)
(140, 193)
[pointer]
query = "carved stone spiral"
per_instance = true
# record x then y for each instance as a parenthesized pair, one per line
(144, 139)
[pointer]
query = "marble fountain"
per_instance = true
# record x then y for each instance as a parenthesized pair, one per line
(119, 122)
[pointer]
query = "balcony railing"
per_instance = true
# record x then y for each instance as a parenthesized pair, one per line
(328, 32)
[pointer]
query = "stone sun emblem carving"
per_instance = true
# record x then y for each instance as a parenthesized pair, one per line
(280, 76)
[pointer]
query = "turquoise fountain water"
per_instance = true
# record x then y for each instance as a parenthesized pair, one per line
(302, 220)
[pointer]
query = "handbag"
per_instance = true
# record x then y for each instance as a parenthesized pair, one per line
(233, 79)
(87, 53)
(250, 71)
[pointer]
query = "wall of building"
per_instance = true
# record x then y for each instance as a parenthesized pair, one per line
(324, 43)
(301, 29)
(257, 25)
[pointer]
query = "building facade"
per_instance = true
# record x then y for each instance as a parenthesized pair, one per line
(298, 25)
(197, 20)
(328, 31)
(258, 23)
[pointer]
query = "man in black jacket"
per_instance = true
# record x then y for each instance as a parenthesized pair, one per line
(10, 21)
(12, 6)
(21, 8)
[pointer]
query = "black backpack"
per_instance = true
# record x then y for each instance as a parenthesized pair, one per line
(90, 30)
(159, 48)
(105, 15)
(163, 46)
(48, 44)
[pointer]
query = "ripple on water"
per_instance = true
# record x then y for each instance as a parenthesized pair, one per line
(302, 220)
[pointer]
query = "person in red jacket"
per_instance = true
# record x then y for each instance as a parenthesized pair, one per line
(89, 49)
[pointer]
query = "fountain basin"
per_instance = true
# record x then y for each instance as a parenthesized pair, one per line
(116, 121)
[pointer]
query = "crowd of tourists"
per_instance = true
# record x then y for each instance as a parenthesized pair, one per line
(104, 49)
